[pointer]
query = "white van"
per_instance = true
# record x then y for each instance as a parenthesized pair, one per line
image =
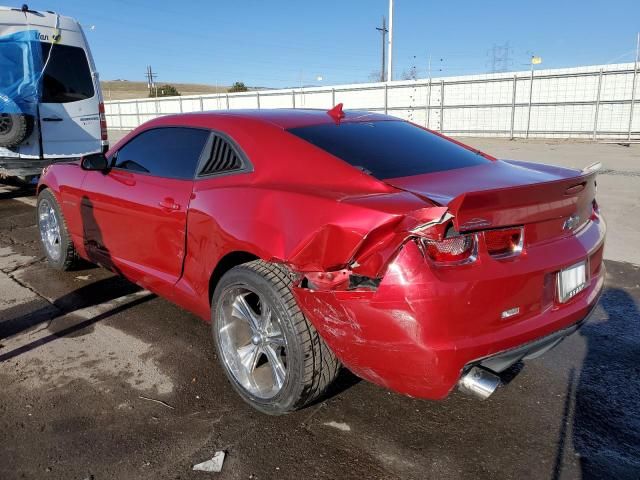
(50, 100)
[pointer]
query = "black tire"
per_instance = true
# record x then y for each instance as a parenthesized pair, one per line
(14, 125)
(311, 365)
(68, 257)
(13, 129)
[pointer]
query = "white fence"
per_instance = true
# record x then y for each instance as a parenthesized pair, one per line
(597, 102)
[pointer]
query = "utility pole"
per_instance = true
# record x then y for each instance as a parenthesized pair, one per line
(151, 83)
(384, 32)
(535, 60)
(390, 56)
(633, 86)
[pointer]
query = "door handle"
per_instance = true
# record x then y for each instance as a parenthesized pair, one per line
(169, 204)
(122, 177)
(52, 119)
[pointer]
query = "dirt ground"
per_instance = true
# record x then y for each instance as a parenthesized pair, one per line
(126, 89)
(102, 380)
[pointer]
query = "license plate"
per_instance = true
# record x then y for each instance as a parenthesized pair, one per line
(571, 281)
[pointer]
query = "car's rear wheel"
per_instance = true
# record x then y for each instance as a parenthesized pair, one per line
(272, 355)
(54, 235)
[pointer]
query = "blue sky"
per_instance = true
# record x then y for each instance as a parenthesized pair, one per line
(285, 43)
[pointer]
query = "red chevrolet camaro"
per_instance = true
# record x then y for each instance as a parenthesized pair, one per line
(314, 239)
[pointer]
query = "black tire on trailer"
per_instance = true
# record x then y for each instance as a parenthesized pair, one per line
(272, 355)
(54, 234)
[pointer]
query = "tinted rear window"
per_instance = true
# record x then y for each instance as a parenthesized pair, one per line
(67, 77)
(389, 149)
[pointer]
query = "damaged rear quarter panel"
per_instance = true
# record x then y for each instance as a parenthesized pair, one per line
(380, 335)
(304, 230)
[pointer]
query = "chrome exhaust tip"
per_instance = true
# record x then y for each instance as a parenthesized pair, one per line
(479, 382)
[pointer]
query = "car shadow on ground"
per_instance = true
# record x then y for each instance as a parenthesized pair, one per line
(606, 395)
(97, 293)
(87, 296)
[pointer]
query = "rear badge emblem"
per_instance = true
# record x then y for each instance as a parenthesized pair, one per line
(571, 222)
(510, 313)
(475, 223)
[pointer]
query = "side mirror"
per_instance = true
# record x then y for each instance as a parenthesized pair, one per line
(94, 161)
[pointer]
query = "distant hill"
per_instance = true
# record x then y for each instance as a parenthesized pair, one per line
(124, 89)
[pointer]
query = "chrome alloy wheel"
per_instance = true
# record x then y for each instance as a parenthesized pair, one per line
(252, 343)
(49, 229)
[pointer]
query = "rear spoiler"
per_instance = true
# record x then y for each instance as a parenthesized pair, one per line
(523, 204)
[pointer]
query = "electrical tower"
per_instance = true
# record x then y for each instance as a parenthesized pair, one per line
(151, 82)
(501, 58)
(383, 30)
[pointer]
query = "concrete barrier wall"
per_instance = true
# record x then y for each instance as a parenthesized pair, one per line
(597, 102)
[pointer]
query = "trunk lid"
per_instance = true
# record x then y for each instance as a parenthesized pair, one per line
(505, 193)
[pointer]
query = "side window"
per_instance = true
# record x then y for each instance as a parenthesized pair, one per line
(171, 152)
(67, 77)
(223, 158)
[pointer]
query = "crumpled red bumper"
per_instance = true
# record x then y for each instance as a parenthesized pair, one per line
(419, 329)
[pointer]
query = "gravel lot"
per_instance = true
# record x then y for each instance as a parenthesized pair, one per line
(86, 358)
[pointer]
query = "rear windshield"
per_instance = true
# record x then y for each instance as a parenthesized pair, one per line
(389, 149)
(67, 77)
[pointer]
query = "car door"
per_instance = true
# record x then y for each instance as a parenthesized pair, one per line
(134, 216)
(69, 109)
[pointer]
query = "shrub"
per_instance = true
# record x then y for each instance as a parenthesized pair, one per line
(165, 90)
(238, 87)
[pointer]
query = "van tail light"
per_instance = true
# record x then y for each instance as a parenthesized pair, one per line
(103, 122)
(595, 210)
(504, 242)
(452, 250)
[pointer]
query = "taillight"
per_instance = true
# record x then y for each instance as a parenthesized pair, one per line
(103, 122)
(595, 210)
(504, 242)
(453, 250)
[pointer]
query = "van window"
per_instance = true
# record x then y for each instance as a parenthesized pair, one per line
(67, 77)
(389, 149)
(171, 152)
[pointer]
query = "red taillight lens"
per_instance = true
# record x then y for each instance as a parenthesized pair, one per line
(595, 210)
(103, 122)
(503, 242)
(450, 250)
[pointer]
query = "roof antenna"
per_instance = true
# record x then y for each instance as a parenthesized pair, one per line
(336, 113)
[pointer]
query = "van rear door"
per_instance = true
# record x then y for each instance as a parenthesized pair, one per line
(69, 112)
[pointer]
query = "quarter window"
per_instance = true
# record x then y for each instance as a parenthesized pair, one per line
(222, 158)
(171, 152)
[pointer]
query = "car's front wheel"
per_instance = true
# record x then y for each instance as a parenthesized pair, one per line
(272, 355)
(54, 236)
